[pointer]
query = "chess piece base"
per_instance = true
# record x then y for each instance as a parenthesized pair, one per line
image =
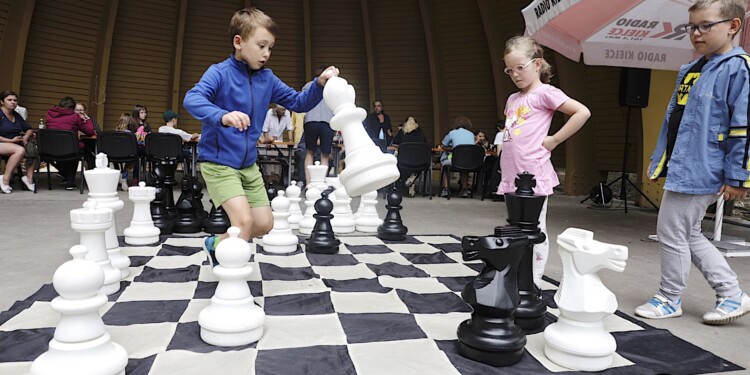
(372, 175)
(583, 346)
(319, 247)
(141, 236)
(391, 234)
(494, 341)
(97, 357)
(280, 248)
(531, 310)
(231, 323)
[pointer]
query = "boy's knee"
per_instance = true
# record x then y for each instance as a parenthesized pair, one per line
(262, 227)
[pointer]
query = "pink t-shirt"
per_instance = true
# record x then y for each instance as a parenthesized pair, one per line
(527, 121)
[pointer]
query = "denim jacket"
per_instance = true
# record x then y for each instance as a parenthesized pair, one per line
(711, 146)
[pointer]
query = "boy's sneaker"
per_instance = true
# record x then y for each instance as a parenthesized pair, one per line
(659, 307)
(209, 246)
(728, 310)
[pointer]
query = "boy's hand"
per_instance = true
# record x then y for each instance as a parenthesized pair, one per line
(331, 71)
(733, 192)
(237, 119)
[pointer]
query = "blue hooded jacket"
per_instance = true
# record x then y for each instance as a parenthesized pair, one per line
(231, 86)
(712, 146)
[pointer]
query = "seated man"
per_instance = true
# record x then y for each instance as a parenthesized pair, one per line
(277, 120)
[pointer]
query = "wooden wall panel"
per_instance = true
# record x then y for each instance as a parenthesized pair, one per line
(338, 39)
(59, 54)
(288, 54)
(141, 59)
(466, 64)
(206, 42)
(402, 65)
(4, 9)
(609, 117)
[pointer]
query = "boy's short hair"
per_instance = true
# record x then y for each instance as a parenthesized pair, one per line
(245, 21)
(727, 8)
(67, 103)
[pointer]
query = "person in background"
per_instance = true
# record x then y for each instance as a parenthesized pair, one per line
(460, 135)
(410, 132)
(480, 139)
(170, 123)
(378, 125)
(496, 172)
(89, 149)
(15, 133)
(140, 128)
(124, 123)
(702, 150)
(318, 132)
(63, 117)
(277, 120)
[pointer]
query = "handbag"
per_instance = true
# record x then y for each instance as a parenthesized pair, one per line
(31, 149)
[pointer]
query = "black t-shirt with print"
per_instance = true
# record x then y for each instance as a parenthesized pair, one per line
(675, 117)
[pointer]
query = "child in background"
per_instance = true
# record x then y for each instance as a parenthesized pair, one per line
(526, 143)
(702, 151)
(232, 116)
(124, 123)
(140, 127)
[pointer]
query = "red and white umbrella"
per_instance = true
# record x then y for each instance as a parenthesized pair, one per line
(624, 33)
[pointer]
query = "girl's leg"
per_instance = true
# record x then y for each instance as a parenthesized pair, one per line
(541, 251)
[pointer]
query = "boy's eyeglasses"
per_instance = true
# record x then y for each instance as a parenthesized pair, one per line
(703, 27)
(518, 68)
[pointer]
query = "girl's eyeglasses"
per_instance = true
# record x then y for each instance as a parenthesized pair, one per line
(518, 68)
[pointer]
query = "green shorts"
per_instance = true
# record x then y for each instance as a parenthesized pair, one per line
(223, 183)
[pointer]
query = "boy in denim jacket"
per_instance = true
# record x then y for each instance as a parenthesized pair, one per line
(702, 151)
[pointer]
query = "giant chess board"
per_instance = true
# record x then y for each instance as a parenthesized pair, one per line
(374, 308)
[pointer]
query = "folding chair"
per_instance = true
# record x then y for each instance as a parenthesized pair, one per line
(466, 158)
(416, 157)
(58, 146)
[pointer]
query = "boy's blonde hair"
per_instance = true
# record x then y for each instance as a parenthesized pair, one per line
(123, 122)
(533, 50)
(245, 21)
(727, 8)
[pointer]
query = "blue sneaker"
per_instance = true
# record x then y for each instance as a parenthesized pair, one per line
(728, 310)
(659, 307)
(209, 246)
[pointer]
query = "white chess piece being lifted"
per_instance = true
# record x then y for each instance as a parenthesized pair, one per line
(578, 340)
(367, 168)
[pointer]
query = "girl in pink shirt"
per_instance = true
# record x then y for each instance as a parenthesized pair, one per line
(528, 116)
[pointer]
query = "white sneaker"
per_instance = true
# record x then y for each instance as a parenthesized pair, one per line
(728, 310)
(5, 188)
(659, 307)
(124, 184)
(29, 185)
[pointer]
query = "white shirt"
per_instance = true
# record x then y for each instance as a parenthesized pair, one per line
(499, 140)
(319, 113)
(275, 126)
(168, 129)
(22, 112)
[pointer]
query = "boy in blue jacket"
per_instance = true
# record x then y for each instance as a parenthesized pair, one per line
(702, 150)
(231, 100)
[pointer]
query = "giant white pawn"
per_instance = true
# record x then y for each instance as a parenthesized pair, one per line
(280, 240)
(293, 193)
(307, 223)
(81, 345)
(142, 230)
(232, 318)
(343, 220)
(368, 220)
(317, 175)
(578, 339)
(367, 168)
(92, 222)
(102, 182)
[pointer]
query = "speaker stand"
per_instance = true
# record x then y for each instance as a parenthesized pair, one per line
(624, 179)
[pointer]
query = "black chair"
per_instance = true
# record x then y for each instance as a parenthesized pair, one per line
(162, 147)
(416, 157)
(120, 147)
(466, 158)
(58, 146)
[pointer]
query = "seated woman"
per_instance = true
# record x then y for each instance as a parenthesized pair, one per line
(15, 133)
(63, 117)
(460, 135)
(410, 132)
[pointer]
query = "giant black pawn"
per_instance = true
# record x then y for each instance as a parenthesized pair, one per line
(393, 228)
(322, 239)
(491, 336)
(187, 220)
(159, 214)
(197, 188)
(523, 212)
(217, 221)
